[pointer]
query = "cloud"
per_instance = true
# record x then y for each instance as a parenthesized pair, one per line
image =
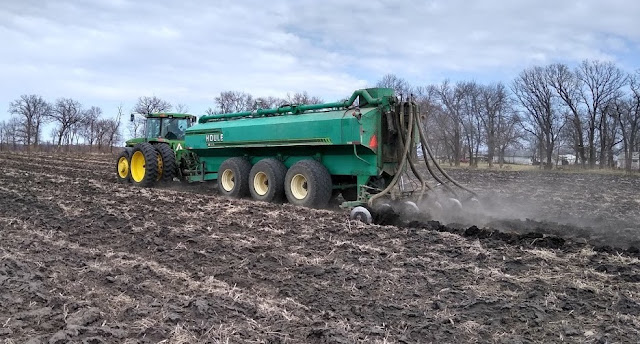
(115, 51)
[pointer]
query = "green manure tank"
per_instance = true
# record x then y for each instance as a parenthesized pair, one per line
(305, 154)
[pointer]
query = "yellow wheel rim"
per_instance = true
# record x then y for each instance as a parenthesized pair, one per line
(228, 180)
(159, 167)
(261, 183)
(123, 167)
(138, 166)
(299, 186)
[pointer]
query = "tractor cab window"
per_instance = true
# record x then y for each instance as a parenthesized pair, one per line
(174, 128)
(153, 128)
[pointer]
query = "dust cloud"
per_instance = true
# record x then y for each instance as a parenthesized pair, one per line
(597, 208)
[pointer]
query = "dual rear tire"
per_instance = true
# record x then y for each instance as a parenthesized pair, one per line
(123, 169)
(307, 183)
(146, 164)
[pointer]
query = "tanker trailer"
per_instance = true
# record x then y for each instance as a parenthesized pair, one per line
(307, 154)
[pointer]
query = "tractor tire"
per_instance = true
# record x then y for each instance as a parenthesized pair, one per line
(266, 180)
(233, 177)
(168, 163)
(308, 184)
(144, 165)
(123, 170)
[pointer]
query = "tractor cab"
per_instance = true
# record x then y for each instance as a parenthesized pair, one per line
(168, 126)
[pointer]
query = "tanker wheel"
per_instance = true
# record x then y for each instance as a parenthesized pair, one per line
(233, 177)
(123, 172)
(168, 160)
(144, 165)
(308, 184)
(266, 180)
(361, 214)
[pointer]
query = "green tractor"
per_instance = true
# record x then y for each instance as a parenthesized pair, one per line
(154, 158)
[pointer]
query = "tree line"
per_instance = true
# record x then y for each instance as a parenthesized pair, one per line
(73, 124)
(591, 111)
(236, 101)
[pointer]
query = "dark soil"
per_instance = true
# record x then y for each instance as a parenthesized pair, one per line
(601, 209)
(84, 259)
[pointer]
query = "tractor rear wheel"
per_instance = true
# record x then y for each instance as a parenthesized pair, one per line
(144, 164)
(168, 162)
(122, 167)
(308, 184)
(266, 180)
(233, 177)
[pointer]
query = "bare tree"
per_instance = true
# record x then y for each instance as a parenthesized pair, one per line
(399, 85)
(609, 133)
(509, 133)
(3, 135)
(536, 97)
(269, 102)
(13, 132)
(66, 113)
(452, 99)
(148, 105)
(302, 98)
(234, 101)
(494, 109)
(88, 125)
(567, 86)
(33, 112)
(113, 129)
(628, 116)
(601, 83)
(471, 120)
(182, 108)
(103, 128)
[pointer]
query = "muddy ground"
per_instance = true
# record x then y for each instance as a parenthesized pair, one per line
(84, 259)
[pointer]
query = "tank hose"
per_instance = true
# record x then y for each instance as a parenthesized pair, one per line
(426, 155)
(425, 143)
(423, 184)
(403, 161)
(403, 150)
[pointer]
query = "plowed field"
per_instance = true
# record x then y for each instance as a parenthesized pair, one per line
(86, 260)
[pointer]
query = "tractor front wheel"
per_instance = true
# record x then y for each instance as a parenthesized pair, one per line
(308, 184)
(144, 165)
(233, 177)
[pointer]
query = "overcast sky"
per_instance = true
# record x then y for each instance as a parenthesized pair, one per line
(110, 52)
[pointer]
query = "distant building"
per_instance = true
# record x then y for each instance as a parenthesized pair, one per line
(635, 160)
(518, 157)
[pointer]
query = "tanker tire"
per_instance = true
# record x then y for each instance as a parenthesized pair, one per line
(266, 180)
(123, 167)
(233, 177)
(308, 184)
(144, 165)
(168, 162)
